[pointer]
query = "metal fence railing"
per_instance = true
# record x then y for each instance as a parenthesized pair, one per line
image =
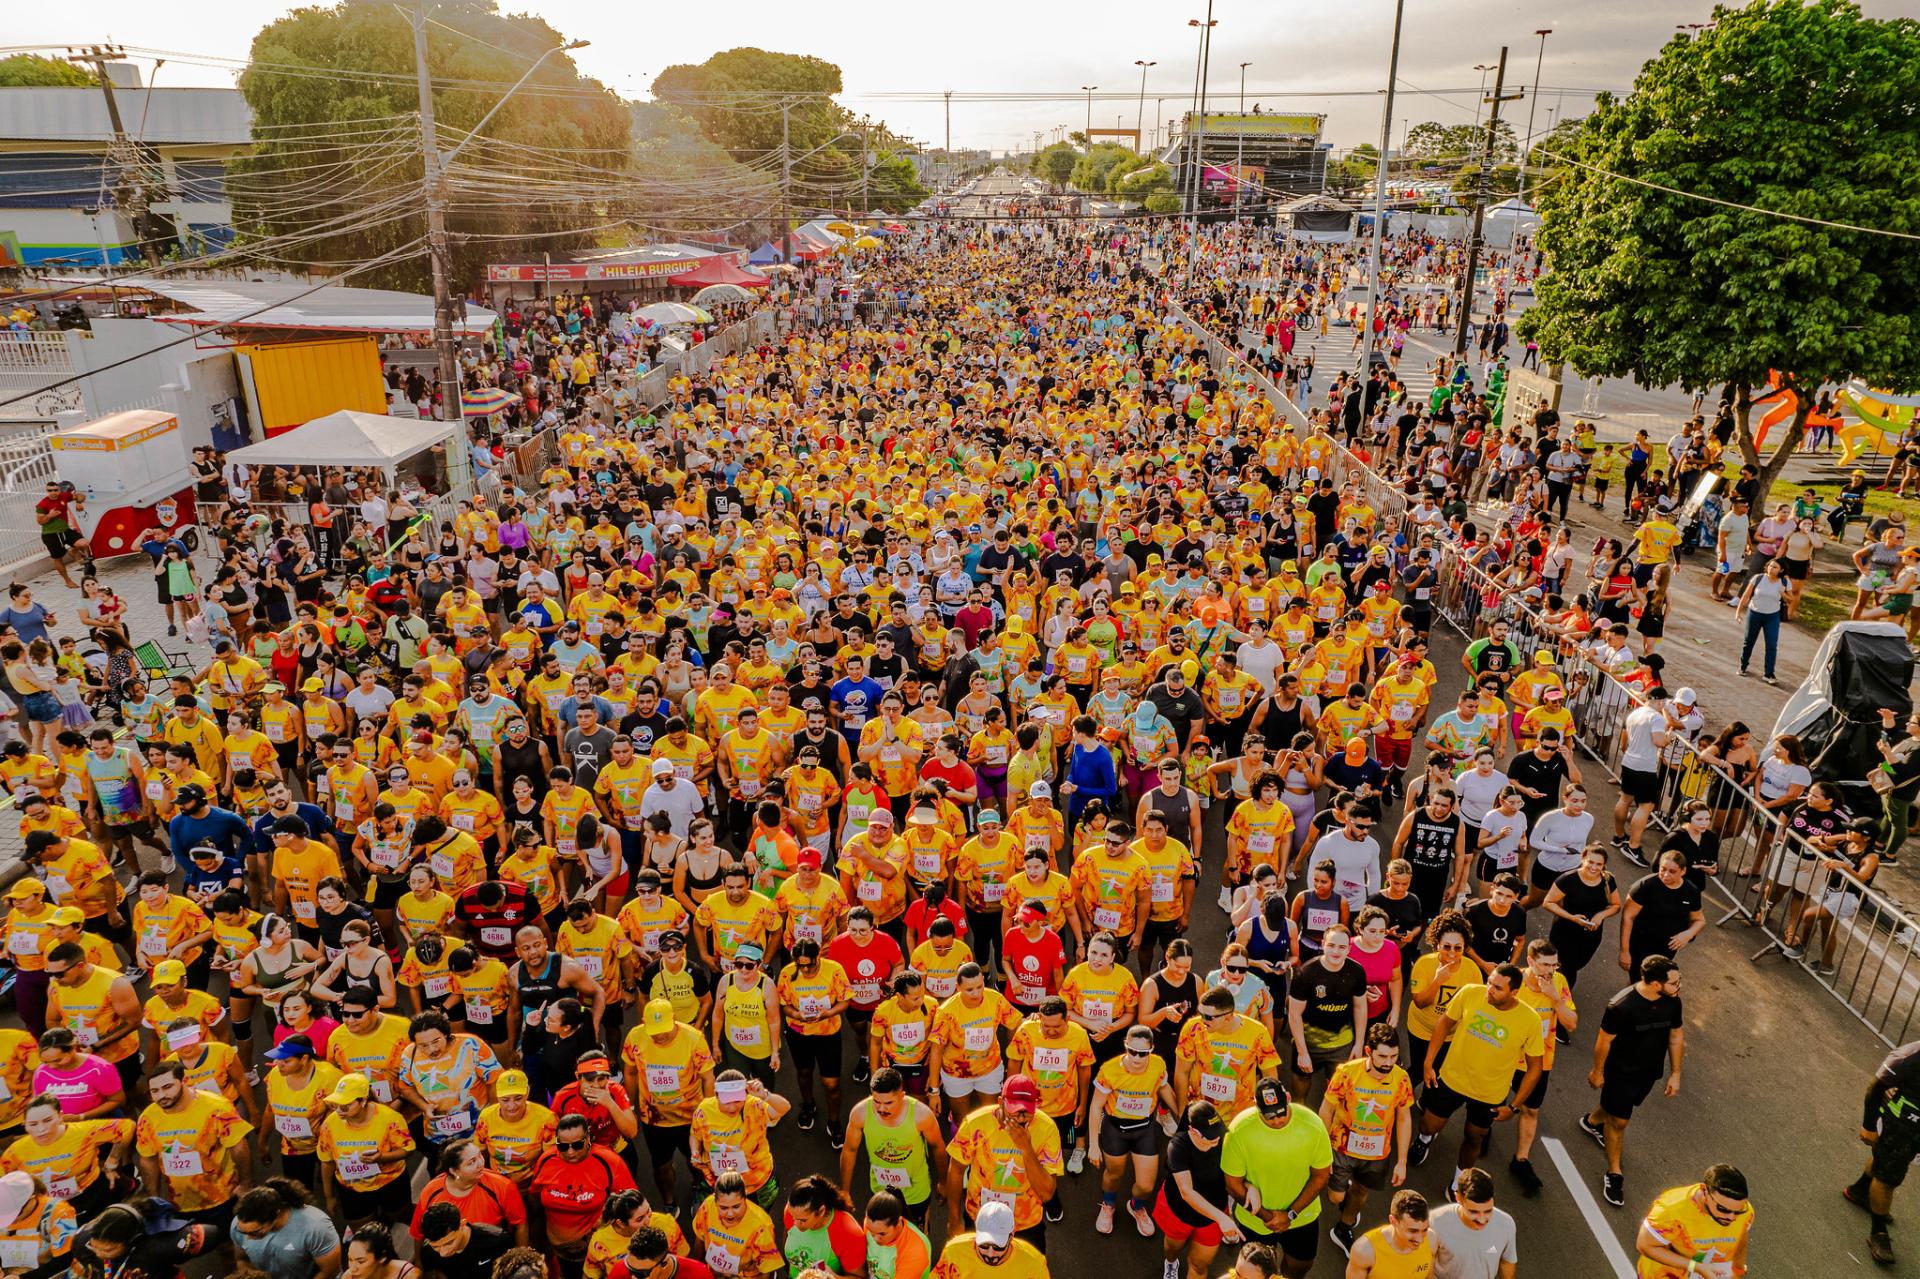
(1861, 945)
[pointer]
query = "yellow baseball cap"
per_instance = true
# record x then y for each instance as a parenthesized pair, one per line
(511, 1083)
(28, 887)
(351, 1088)
(67, 917)
(169, 972)
(659, 1017)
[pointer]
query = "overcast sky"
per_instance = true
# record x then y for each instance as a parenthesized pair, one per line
(1301, 51)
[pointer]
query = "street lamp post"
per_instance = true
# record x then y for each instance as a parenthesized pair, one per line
(1479, 101)
(1088, 90)
(1140, 114)
(1199, 139)
(1533, 103)
(1380, 189)
(1240, 145)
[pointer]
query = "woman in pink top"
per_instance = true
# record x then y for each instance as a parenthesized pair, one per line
(297, 1018)
(86, 1086)
(1379, 959)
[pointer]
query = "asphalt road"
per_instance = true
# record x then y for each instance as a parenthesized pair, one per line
(1773, 1076)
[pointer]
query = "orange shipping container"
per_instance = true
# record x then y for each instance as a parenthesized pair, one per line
(295, 382)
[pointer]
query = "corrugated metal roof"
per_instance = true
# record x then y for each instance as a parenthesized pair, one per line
(173, 116)
(336, 307)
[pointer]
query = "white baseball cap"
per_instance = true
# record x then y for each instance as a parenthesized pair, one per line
(994, 1224)
(1686, 697)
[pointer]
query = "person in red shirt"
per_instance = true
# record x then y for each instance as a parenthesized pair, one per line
(572, 1182)
(480, 1194)
(952, 771)
(1034, 959)
(598, 1098)
(649, 1256)
(930, 906)
(870, 958)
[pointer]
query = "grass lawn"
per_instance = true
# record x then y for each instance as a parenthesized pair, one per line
(1825, 601)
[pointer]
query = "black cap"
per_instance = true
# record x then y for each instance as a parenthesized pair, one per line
(191, 793)
(1270, 1095)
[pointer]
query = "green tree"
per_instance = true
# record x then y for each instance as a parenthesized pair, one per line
(1783, 107)
(1055, 164)
(672, 158)
(1092, 171)
(323, 85)
(31, 71)
(1356, 168)
(1144, 182)
(1164, 202)
(737, 96)
(893, 186)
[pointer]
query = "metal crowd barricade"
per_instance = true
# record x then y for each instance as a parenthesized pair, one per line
(1867, 954)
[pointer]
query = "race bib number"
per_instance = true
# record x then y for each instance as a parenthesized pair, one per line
(908, 1034)
(1106, 917)
(1218, 1089)
(866, 992)
(155, 944)
(663, 1079)
(1132, 1106)
(743, 1034)
(1006, 1197)
(996, 755)
(871, 890)
(495, 935)
(296, 1127)
(728, 1159)
(1367, 1145)
(182, 1163)
(24, 942)
(719, 1260)
(813, 1007)
(1162, 889)
(1261, 843)
(441, 864)
(463, 821)
(437, 987)
(927, 864)
(978, 1039)
(892, 1178)
(353, 1168)
(454, 1125)
(480, 1012)
(385, 856)
(1052, 1060)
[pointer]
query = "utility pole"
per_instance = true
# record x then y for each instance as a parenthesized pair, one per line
(130, 185)
(438, 259)
(1480, 202)
(1088, 90)
(1380, 188)
(866, 202)
(1532, 103)
(949, 140)
(786, 183)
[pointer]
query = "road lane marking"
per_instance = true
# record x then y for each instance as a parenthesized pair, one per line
(1589, 1208)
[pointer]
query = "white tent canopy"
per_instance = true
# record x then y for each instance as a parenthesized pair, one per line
(347, 438)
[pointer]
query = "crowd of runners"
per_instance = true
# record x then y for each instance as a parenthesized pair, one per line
(858, 742)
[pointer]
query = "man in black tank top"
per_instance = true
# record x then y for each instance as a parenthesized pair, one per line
(1432, 841)
(541, 977)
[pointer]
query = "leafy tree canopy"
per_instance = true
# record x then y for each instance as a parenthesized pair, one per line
(326, 82)
(31, 71)
(1786, 107)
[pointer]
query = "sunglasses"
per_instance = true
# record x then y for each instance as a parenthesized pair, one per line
(1237, 968)
(571, 1145)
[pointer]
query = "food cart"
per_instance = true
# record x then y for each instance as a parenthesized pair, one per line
(131, 468)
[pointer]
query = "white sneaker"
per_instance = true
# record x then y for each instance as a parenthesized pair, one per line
(1077, 1161)
(1226, 899)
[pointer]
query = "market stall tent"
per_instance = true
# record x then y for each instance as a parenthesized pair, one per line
(719, 269)
(348, 438)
